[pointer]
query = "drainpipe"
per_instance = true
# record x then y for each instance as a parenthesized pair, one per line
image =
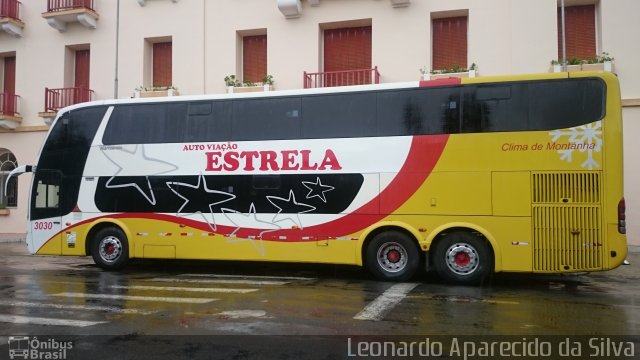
(564, 41)
(115, 81)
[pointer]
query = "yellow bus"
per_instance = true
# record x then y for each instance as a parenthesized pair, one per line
(465, 177)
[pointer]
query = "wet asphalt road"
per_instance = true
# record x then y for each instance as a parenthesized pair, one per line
(259, 310)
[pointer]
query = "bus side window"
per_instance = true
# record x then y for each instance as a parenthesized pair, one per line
(339, 116)
(209, 121)
(266, 119)
(559, 104)
(493, 108)
(442, 110)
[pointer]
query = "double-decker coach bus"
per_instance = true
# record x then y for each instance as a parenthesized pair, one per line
(465, 177)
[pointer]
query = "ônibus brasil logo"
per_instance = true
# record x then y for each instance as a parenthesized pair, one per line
(32, 348)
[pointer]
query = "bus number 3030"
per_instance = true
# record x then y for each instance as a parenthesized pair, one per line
(43, 225)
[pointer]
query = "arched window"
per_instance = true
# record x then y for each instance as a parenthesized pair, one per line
(8, 162)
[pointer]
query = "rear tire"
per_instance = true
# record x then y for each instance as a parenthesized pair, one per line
(462, 258)
(392, 256)
(110, 249)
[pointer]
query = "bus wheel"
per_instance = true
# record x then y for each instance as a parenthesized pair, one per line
(110, 249)
(462, 258)
(392, 256)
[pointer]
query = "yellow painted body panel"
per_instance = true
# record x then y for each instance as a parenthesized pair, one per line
(159, 251)
(52, 247)
(511, 193)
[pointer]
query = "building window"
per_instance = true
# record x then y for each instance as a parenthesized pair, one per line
(347, 49)
(162, 64)
(254, 58)
(7, 164)
(580, 31)
(449, 42)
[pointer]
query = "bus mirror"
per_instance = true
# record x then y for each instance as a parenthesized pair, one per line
(17, 171)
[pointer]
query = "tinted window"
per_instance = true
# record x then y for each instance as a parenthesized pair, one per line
(489, 108)
(318, 193)
(65, 153)
(208, 121)
(341, 115)
(146, 124)
(419, 111)
(515, 106)
(535, 105)
(269, 118)
(565, 103)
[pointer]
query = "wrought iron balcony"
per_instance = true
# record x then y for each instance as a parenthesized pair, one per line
(61, 12)
(62, 5)
(341, 78)
(9, 112)
(56, 99)
(10, 21)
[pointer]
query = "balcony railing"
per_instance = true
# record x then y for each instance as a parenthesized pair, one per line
(9, 104)
(56, 99)
(61, 5)
(341, 78)
(10, 9)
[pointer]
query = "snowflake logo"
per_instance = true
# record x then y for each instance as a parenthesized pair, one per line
(586, 139)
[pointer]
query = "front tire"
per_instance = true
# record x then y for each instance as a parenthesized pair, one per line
(392, 256)
(110, 249)
(462, 258)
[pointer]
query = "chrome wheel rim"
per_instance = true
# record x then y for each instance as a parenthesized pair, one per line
(462, 259)
(392, 257)
(110, 248)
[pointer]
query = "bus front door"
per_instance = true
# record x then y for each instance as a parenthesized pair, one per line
(46, 223)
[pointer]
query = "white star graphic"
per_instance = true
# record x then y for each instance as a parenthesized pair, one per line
(226, 197)
(250, 221)
(317, 189)
(291, 200)
(130, 163)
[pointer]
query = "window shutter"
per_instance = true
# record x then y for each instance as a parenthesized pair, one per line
(162, 64)
(254, 58)
(449, 42)
(580, 31)
(82, 69)
(9, 75)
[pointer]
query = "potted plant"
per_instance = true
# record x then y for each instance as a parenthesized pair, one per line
(231, 82)
(425, 73)
(607, 60)
(472, 70)
(3, 209)
(267, 82)
(556, 67)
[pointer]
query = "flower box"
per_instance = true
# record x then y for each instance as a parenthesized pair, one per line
(4, 212)
(464, 74)
(156, 93)
(248, 89)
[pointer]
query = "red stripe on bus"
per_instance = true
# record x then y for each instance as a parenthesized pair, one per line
(423, 155)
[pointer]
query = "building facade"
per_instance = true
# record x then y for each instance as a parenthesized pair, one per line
(58, 52)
